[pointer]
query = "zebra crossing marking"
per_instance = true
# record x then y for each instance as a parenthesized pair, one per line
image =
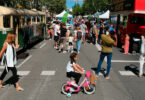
(23, 73)
(126, 73)
(2, 67)
(47, 73)
(51, 73)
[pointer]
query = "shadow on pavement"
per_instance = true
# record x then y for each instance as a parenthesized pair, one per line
(11, 81)
(102, 70)
(132, 68)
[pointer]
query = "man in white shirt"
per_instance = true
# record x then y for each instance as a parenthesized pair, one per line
(56, 34)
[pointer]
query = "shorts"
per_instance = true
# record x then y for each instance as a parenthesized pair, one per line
(56, 38)
(70, 44)
(62, 39)
(74, 75)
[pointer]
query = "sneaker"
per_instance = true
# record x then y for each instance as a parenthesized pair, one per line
(1, 86)
(64, 51)
(72, 51)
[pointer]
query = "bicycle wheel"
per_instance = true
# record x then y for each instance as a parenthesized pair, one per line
(63, 89)
(90, 90)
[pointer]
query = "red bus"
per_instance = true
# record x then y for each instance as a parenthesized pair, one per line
(128, 17)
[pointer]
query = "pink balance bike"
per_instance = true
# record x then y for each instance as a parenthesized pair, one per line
(71, 87)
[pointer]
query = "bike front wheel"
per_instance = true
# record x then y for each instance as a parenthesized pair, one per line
(90, 90)
(63, 89)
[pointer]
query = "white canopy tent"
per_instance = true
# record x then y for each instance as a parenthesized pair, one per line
(62, 13)
(105, 15)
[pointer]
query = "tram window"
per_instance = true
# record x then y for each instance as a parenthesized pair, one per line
(23, 20)
(34, 18)
(6, 20)
(38, 19)
(41, 18)
(137, 20)
(28, 20)
(16, 21)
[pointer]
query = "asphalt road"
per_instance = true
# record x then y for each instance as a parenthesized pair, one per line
(44, 71)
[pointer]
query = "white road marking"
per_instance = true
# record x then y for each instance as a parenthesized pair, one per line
(42, 45)
(125, 61)
(47, 73)
(126, 73)
(2, 67)
(117, 61)
(24, 61)
(23, 73)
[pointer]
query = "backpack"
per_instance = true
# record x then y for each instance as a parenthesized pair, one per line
(79, 35)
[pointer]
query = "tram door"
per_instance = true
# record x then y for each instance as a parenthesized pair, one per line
(16, 27)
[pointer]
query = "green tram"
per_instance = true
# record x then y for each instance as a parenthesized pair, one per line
(28, 25)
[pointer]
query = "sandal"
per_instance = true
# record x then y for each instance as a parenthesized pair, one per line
(107, 77)
(19, 89)
(140, 76)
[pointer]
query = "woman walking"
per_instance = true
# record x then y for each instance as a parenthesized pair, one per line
(9, 59)
(142, 55)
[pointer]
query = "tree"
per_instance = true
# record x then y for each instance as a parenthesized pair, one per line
(92, 6)
(77, 10)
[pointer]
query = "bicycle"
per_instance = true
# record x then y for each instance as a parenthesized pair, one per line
(70, 87)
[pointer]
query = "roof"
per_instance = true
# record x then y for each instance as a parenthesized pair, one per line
(12, 11)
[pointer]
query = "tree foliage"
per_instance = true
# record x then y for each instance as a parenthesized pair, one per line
(92, 6)
(54, 6)
(77, 10)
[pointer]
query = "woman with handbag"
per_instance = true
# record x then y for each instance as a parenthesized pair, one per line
(9, 60)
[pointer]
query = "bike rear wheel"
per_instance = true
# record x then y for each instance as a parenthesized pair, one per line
(90, 90)
(63, 89)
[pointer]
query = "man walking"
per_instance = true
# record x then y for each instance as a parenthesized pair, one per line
(107, 43)
(83, 29)
(94, 33)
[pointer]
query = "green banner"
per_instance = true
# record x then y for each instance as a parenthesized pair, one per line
(65, 17)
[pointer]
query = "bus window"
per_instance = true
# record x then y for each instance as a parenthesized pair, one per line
(137, 20)
(6, 21)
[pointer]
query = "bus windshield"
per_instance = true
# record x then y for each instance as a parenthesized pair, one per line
(137, 20)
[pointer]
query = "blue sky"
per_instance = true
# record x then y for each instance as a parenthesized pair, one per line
(71, 3)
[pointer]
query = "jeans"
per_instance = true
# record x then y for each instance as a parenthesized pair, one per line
(102, 56)
(78, 45)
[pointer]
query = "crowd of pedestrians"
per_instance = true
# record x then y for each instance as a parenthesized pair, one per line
(66, 38)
